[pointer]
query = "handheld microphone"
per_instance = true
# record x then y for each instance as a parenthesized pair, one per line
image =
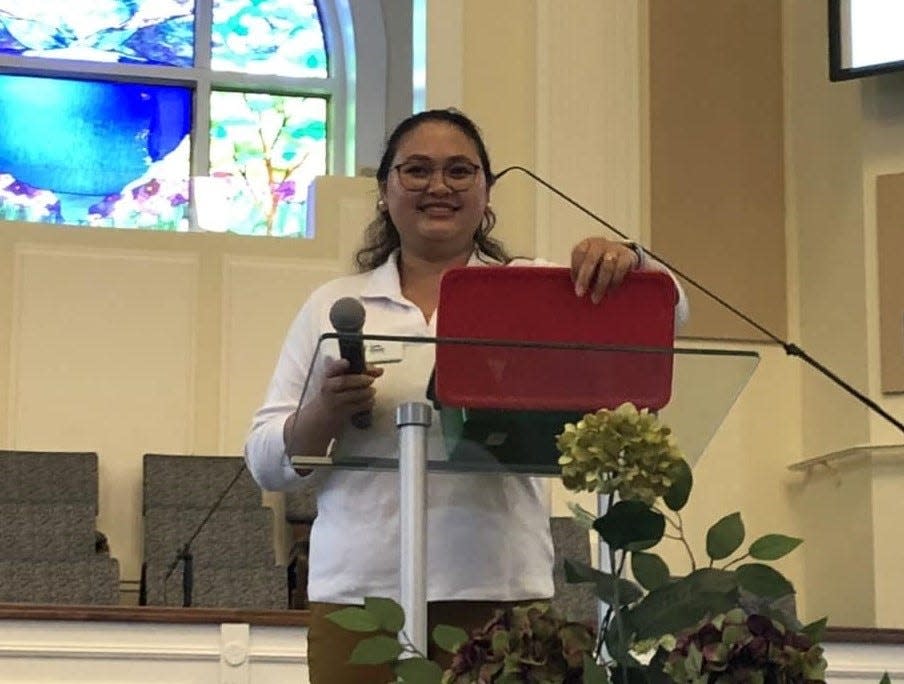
(790, 348)
(347, 317)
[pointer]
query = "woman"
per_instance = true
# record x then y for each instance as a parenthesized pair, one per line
(488, 536)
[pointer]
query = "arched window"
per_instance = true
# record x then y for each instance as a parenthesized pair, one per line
(177, 115)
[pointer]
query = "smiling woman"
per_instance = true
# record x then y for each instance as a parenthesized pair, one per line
(433, 215)
(459, 137)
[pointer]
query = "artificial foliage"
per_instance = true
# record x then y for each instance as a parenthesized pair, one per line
(524, 644)
(730, 619)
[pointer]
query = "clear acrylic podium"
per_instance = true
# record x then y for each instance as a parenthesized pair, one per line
(494, 407)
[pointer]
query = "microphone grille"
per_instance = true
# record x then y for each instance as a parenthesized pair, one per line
(347, 315)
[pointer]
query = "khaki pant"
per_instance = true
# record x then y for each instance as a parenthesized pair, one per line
(329, 646)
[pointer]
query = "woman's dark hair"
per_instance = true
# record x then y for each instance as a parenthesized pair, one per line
(381, 237)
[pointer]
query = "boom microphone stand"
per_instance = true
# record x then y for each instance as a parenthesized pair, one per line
(790, 348)
(184, 554)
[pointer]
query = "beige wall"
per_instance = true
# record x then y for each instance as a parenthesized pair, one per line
(837, 136)
(717, 186)
(590, 140)
(840, 137)
(129, 342)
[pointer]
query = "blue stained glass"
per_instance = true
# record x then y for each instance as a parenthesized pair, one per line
(94, 153)
(272, 37)
(159, 32)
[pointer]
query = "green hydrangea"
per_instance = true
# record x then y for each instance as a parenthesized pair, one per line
(627, 451)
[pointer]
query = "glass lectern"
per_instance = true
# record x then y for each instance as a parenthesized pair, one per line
(448, 406)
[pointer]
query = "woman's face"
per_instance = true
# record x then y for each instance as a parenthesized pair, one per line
(436, 220)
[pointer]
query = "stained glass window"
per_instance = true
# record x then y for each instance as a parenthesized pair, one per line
(121, 159)
(264, 152)
(136, 32)
(280, 37)
(119, 143)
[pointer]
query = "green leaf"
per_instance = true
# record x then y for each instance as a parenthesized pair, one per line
(694, 658)
(354, 619)
(650, 570)
(773, 546)
(656, 667)
(631, 525)
(816, 630)
(510, 677)
(376, 650)
(680, 491)
(582, 516)
(619, 649)
(594, 673)
(577, 572)
(885, 679)
(499, 641)
(724, 538)
(418, 671)
(683, 603)
(449, 638)
(388, 613)
(761, 580)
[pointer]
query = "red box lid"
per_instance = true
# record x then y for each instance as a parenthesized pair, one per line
(536, 304)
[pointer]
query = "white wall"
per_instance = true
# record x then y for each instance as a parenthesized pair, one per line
(39, 652)
(146, 653)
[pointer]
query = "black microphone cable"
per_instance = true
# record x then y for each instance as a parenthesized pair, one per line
(790, 348)
(184, 555)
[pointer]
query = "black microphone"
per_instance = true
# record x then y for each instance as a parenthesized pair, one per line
(790, 348)
(347, 317)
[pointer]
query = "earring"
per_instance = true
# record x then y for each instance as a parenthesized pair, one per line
(381, 206)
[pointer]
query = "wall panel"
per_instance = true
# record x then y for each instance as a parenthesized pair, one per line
(261, 297)
(102, 359)
(890, 247)
(716, 157)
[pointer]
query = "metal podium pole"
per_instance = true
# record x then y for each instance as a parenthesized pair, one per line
(413, 420)
(602, 561)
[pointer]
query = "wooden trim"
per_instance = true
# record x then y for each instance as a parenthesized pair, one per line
(298, 618)
(864, 635)
(260, 618)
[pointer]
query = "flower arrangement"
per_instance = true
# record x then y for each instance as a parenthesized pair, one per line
(528, 643)
(731, 620)
(747, 648)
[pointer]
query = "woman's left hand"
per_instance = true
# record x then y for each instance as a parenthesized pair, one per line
(598, 265)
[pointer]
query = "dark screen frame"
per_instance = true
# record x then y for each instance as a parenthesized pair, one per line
(838, 72)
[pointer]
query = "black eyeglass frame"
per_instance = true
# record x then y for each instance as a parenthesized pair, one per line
(475, 169)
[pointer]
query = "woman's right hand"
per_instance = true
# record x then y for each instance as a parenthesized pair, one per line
(342, 394)
(310, 429)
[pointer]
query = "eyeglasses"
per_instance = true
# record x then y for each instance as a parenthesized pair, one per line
(458, 175)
